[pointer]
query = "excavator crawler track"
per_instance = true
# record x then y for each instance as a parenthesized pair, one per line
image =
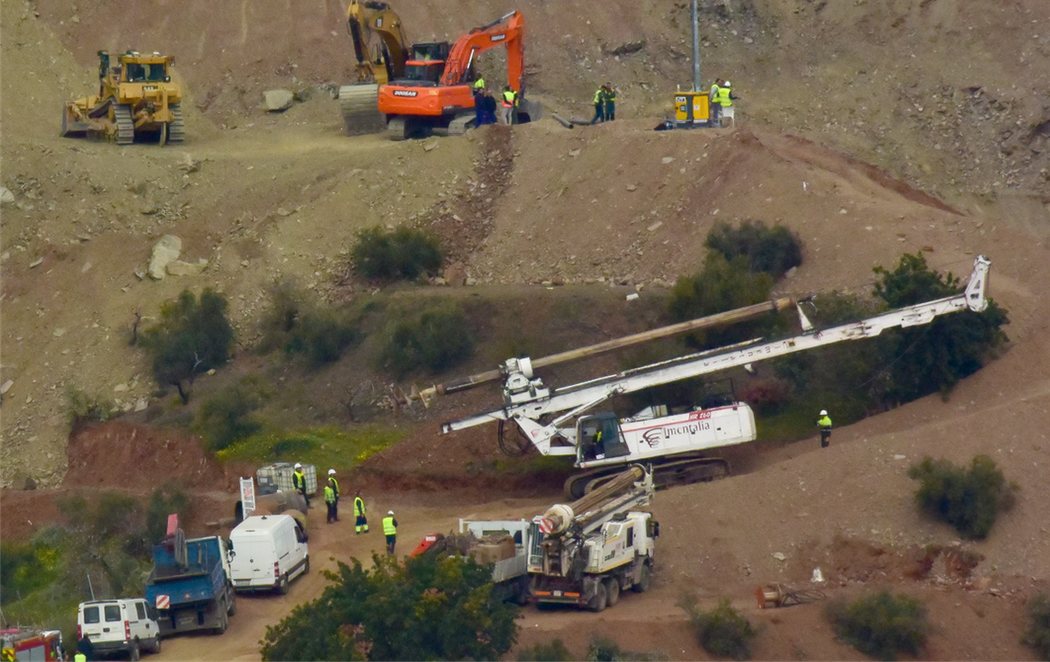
(674, 470)
(397, 128)
(359, 105)
(176, 130)
(125, 125)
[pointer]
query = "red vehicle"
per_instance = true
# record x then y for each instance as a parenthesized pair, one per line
(22, 645)
(435, 95)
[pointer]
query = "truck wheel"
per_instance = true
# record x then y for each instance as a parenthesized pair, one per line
(644, 577)
(224, 622)
(612, 590)
(600, 599)
(282, 586)
(233, 605)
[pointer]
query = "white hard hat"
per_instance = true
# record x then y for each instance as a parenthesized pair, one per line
(389, 512)
(331, 472)
(727, 84)
(823, 412)
(298, 466)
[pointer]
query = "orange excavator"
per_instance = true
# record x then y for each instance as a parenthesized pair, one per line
(435, 95)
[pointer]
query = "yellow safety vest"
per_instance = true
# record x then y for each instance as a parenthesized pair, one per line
(334, 484)
(80, 657)
(329, 494)
(598, 95)
(389, 528)
(824, 422)
(510, 98)
(299, 480)
(359, 506)
(479, 83)
(723, 97)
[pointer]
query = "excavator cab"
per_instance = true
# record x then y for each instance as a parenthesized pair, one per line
(598, 438)
(424, 73)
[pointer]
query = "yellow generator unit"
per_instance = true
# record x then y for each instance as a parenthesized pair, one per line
(136, 99)
(692, 108)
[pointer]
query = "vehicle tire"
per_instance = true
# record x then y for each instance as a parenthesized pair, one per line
(133, 653)
(644, 577)
(233, 604)
(224, 622)
(155, 648)
(306, 568)
(521, 592)
(612, 590)
(282, 585)
(600, 599)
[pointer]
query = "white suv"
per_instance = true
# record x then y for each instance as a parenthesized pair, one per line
(127, 625)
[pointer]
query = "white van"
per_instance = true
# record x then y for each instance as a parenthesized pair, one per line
(125, 625)
(267, 552)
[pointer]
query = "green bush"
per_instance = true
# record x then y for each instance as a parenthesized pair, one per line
(721, 285)
(166, 499)
(192, 337)
(436, 339)
(227, 416)
(772, 250)
(968, 499)
(404, 253)
(300, 326)
(554, 651)
(934, 357)
(424, 608)
(721, 631)
(881, 625)
(84, 408)
(26, 567)
(1038, 633)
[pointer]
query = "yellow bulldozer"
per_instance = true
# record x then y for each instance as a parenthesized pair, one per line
(136, 99)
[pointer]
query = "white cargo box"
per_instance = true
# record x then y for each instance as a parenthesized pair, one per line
(279, 475)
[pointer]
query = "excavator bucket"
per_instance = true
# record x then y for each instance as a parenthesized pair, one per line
(360, 107)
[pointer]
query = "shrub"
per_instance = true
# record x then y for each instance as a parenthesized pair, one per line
(299, 326)
(772, 250)
(602, 649)
(881, 625)
(84, 408)
(554, 651)
(766, 395)
(969, 500)
(404, 253)
(167, 499)
(721, 285)
(26, 568)
(226, 417)
(722, 630)
(934, 357)
(423, 608)
(1038, 633)
(192, 337)
(436, 339)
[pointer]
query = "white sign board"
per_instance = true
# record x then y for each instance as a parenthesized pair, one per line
(248, 496)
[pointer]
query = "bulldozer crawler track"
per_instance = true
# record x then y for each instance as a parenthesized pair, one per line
(125, 125)
(676, 470)
(359, 105)
(176, 130)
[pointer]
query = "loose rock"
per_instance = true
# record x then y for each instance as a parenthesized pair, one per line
(165, 251)
(278, 101)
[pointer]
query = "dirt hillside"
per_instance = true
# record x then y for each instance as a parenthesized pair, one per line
(869, 128)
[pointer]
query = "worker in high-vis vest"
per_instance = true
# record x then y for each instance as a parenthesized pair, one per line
(299, 482)
(329, 500)
(824, 425)
(390, 531)
(334, 484)
(599, 105)
(712, 98)
(360, 516)
(508, 103)
(479, 84)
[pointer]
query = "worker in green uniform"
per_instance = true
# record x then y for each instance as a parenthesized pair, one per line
(610, 102)
(824, 425)
(390, 531)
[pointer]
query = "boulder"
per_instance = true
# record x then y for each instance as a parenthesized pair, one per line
(180, 268)
(6, 196)
(165, 252)
(278, 101)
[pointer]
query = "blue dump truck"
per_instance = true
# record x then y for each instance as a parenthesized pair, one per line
(190, 583)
